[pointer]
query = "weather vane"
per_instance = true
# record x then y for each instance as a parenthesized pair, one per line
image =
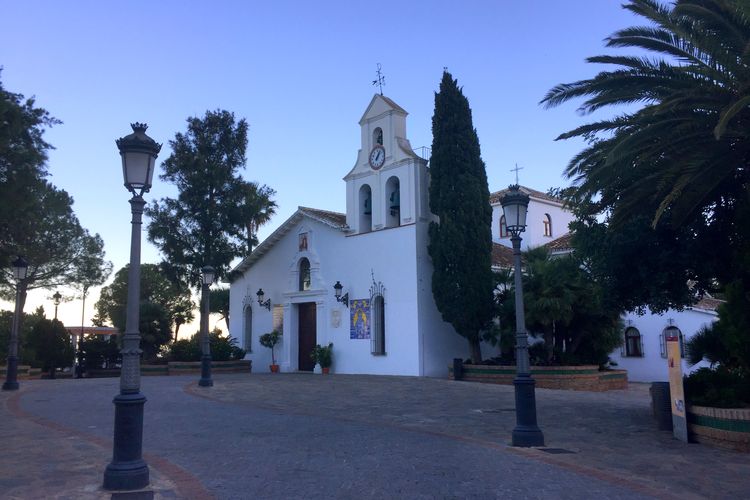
(516, 171)
(380, 81)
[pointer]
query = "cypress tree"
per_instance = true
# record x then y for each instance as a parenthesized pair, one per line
(461, 241)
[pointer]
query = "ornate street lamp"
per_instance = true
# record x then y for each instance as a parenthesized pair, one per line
(128, 470)
(207, 278)
(337, 288)
(527, 432)
(56, 299)
(264, 303)
(20, 271)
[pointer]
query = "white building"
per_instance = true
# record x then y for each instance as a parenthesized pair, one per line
(377, 251)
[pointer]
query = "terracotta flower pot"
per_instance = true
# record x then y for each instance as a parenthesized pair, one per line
(274, 368)
(325, 370)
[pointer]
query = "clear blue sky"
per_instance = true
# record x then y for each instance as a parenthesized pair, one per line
(300, 73)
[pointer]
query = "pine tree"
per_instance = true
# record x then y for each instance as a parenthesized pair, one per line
(461, 242)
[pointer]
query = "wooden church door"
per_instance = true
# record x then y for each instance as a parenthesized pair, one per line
(307, 335)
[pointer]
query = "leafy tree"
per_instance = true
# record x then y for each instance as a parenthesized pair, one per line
(174, 303)
(219, 303)
(154, 329)
(51, 344)
(677, 162)
(207, 223)
(461, 242)
(567, 308)
(23, 157)
(101, 352)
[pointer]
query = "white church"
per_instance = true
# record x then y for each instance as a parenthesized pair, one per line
(362, 280)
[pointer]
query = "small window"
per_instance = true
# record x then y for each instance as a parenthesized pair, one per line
(304, 275)
(377, 136)
(633, 343)
(247, 341)
(378, 325)
(547, 225)
(671, 331)
(503, 228)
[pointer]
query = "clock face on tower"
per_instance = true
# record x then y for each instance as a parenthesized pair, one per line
(377, 157)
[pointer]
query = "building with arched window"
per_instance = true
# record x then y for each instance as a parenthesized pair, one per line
(384, 320)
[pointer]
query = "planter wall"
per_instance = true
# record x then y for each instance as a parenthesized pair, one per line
(576, 378)
(720, 427)
(23, 372)
(179, 368)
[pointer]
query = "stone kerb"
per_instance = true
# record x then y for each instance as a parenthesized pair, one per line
(577, 378)
(720, 427)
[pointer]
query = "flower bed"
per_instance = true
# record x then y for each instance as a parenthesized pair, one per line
(576, 378)
(720, 427)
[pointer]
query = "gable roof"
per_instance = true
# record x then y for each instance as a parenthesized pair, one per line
(560, 245)
(533, 193)
(335, 220)
(388, 101)
(502, 256)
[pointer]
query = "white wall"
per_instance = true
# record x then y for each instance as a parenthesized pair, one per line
(534, 234)
(652, 367)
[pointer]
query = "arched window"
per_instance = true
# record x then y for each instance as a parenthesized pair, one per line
(247, 341)
(304, 274)
(503, 228)
(547, 225)
(393, 192)
(671, 331)
(377, 136)
(365, 209)
(378, 325)
(633, 343)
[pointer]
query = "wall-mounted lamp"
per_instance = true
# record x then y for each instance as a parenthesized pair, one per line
(339, 298)
(264, 303)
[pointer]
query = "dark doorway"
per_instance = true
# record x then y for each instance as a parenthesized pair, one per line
(307, 335)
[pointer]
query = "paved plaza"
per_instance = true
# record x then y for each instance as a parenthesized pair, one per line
(350, 436)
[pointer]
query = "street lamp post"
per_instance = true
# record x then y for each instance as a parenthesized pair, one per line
(20, 270)
(207, 278)
(128, 470)
(56, 299)
(527, 432)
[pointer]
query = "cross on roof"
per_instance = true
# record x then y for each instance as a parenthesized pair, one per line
(516, 171)
(380, 81)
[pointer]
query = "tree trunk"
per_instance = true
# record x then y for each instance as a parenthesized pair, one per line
(476, 350)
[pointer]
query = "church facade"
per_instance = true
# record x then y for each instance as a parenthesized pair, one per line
(385, 320)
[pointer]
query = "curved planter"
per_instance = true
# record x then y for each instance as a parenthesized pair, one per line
(576, 378)
(720, 427)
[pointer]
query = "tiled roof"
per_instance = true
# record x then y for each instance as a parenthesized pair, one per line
(708, 304)
(560, 244)
(495, 197)
(502, 256)
(335, 219)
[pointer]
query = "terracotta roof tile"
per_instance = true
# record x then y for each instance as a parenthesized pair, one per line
(708, 304)
(502, 256)
(561, 243)
(332, 218)
(495, 197)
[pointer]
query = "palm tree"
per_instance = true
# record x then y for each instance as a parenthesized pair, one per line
(686, 152)
(218, 303)
(258, 209)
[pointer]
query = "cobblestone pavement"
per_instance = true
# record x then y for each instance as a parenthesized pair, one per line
(348, 436)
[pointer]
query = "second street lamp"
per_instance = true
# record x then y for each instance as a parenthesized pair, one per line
(128, 470)
(207, 278)
(527, 432)
(20, 271)
(56, 299)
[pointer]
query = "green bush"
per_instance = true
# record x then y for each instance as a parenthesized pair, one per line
(718, 387)
(222, 348)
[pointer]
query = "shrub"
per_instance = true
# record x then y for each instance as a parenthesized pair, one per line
(718, 387)
(222, 348)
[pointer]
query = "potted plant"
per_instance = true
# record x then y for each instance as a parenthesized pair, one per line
(270, 340)
(323, 356)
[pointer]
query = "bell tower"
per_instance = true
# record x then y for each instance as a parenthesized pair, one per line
(388, 185)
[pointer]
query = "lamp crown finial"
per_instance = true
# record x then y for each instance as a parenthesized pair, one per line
(139, 127)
